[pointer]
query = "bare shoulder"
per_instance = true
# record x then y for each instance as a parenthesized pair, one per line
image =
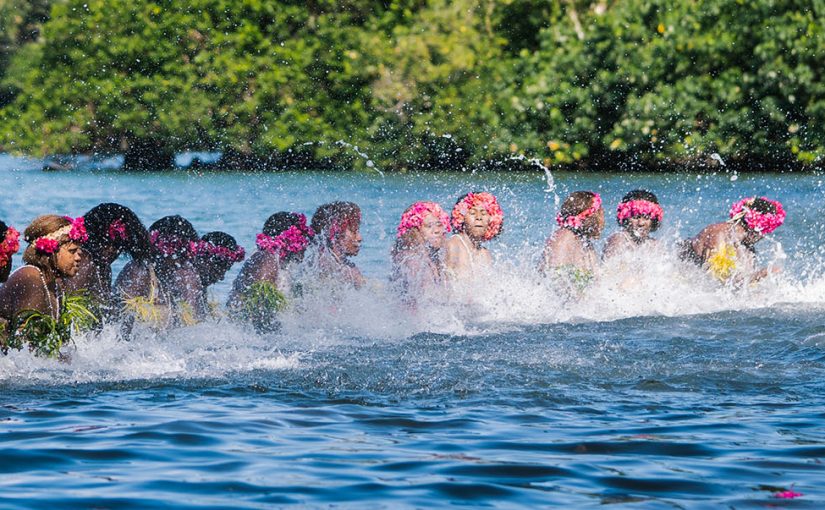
(712, 234)
(614, 243)
(559, 238)
(262, 266)
(454, 245)
(24, 276)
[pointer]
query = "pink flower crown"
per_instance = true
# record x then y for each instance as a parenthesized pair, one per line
(763, 223)
(9, 246)
(490, 204)
(117, 230)
(633, 208)
(169, 245)
(207, 249)
(414, 216)
(576, 221)
(75, 230)
(295, 239)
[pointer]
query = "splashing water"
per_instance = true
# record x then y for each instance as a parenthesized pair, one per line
(654, 385)
(548, 175)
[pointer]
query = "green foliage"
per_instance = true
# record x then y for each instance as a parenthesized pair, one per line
(20, 25)
(44, 335)
(679, 80)
(260, 305)
(424, 83)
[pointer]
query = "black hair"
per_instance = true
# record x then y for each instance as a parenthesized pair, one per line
(177, 229)
(221, 239)
(6, 269)
(329, 214)
(212, 268)
(763, 206)
(175, 225)
(640, 194)
(278, 223)
(98, 222)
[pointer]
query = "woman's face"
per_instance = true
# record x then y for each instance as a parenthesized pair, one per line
(432, 231)
(639, 227)
(476, 222)
(751, 237)
(594, 225)
(350, 240)
(67, 259)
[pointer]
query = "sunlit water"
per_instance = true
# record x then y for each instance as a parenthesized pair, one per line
(658, 389)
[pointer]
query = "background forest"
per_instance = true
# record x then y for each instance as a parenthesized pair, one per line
(418, 84)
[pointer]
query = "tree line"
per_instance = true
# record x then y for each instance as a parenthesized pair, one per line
(418, 84)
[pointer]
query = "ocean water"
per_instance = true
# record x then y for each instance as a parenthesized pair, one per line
(658, 389)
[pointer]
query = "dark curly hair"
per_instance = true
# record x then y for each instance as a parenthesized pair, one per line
(332, 218)
(177, 232)
(6, 269)
(116, 225)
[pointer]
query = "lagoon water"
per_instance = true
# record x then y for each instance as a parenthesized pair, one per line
(658, 389)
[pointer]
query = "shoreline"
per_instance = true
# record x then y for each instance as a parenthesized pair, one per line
(201, 161)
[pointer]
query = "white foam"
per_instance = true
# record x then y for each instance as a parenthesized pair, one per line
(645, 283)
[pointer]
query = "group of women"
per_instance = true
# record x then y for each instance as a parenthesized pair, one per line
(170, 268)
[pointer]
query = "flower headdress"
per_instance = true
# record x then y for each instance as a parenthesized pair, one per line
(117, 230)
(633, 208)
(9, 245)
(486, 200)
(207, 249)
(75, 230)
(169, 245)
(413, 217)
(295, 239)
(576, 221)
(761, 222)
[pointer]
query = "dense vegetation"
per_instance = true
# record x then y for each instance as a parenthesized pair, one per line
(418, 83)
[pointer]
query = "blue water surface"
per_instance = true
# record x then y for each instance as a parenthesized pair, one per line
(667, 391)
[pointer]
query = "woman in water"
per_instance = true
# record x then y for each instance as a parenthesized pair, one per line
(337, 226)
(416, 256)
(476, 219)
(639, 214)
(31, 301)
(214, 255)
(262, 287)
(726, 250)
(569, 251)
(113, 229)
(166, 289)
(9, 245)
